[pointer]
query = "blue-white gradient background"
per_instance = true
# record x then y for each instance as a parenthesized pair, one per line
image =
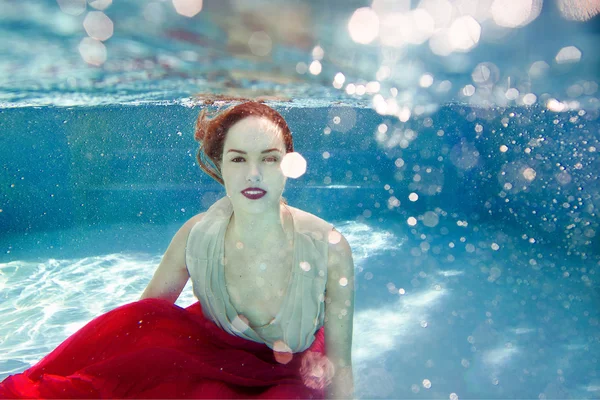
(466, 182)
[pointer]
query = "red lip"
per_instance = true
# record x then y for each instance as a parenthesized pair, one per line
(253, 196)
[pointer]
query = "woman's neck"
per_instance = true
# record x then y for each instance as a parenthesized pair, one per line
(258, 231)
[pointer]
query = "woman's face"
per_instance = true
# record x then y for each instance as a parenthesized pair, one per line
(252, 156)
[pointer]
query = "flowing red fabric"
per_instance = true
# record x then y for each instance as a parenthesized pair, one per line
(154, 349)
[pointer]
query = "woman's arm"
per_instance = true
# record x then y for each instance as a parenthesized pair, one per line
(172, 274)
(339, 313)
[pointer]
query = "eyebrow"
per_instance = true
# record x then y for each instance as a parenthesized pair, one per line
(262, 152)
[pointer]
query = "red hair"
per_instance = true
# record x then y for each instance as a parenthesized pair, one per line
(211, 133)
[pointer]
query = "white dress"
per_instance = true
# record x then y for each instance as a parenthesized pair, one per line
(303, 309)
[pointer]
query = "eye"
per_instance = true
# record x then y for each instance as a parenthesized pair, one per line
(268, 159)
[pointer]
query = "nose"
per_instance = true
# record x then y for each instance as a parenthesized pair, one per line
(254, 173)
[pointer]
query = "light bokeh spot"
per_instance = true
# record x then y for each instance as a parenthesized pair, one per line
(363, 25)
(515, 13)
(92, 51)
(334, 237)
(464, 33)
(98, 25)
(260, 44)
(569, 54)
(305, 265)
(72, 7)
(187, 8)
(315, 67)
(100, 4)
(293, 165)
(578, 10)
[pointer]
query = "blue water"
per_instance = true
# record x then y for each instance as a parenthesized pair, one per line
(473, 222)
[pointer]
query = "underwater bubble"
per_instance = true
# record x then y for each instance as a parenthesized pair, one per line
(468, 90)
(98, 25)
(413, 197)
(100, 4)
(364, 25)
(361, 89)
(485, 74)
(464, 33)
(404, 114)
(92, 51)
(293, 165)
(426, 80)
(464, 155)
(351, 88)
(515, 13)
(72, 7)
(430, 219)
(555, 105)
(338, 80)
(383, 73)
(426, 383)
(305, 266)
(342, 119)
(260, 44)
(412, 221)
(187, 8)
(394, 29)
(578, 10)
(318, 53)
(334, 237)
(393, 202)
(315, 67)
(343, 281)
(301, 68)
(453, 396)
(440, 44)
(529, 99)
(373, 87)
(569, 54)
(564, 178)
(512, 94)
(529, 174)
(538, 69)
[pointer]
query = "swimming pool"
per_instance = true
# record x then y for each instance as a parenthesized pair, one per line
(474, 225)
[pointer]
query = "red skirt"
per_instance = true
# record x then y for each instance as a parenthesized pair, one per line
(154, 349)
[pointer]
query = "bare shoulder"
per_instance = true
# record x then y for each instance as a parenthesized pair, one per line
(181, 236)
(308, 222)
(340, 252)
(189, 224)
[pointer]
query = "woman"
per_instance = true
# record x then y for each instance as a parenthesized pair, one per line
(275, 288)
